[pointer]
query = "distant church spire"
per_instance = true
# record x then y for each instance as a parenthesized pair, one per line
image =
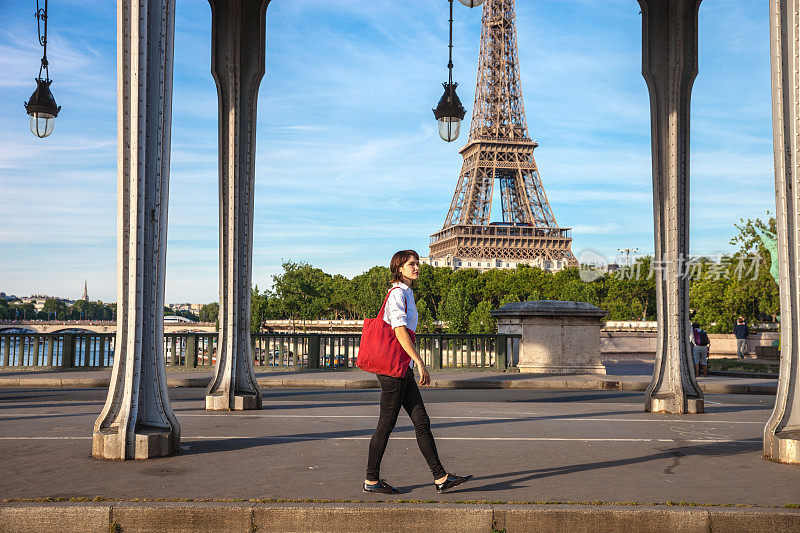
(85, 292)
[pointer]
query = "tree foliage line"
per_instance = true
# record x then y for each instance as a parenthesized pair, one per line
(56, 309)
(460, 301)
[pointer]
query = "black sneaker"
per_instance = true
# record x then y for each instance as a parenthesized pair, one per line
(381, 487)
(451, 481)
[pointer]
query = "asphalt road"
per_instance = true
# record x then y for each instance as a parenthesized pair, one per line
(521, 445)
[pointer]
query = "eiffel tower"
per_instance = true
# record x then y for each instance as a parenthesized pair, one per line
(499, 149)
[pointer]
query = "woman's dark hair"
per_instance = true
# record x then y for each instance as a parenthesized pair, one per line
(398, 260)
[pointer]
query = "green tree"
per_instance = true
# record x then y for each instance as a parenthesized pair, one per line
(304, 291)
(739, 284)
(426, 322)
(455, 310)
(22, 311)
(209, 312)
(748, 238)
(432, 287)
(259, 309)
(369, 290)
(85, 310)
(342, 303)
(54, 308)
(631, 293)
(481, 321)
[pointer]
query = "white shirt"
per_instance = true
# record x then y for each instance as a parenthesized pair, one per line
(400, 307)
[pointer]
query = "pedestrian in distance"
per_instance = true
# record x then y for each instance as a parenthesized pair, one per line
(740, 331)
(700, 350)
(400, 312)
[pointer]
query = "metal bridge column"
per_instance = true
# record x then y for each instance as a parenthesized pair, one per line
(669, 65)
(137, 420)
(237, 64)
(782, 432)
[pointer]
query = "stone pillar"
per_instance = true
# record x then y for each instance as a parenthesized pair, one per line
(782, 432)
(137, 420)
(669, 65)
(237, 64)
(557, 337)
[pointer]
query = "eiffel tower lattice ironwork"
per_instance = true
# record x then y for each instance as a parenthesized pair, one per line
(499, 149)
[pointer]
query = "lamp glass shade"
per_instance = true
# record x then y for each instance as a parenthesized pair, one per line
(42, 109)
(471, 3)
(42, 124)
(449, 128)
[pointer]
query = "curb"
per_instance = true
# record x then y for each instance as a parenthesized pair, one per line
(388, 517)
(527, 384)
(753, 375)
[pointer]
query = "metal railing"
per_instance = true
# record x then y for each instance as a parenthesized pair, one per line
(58, 350)
(275, 350)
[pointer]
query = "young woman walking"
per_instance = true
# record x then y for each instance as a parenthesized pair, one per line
(401, 314)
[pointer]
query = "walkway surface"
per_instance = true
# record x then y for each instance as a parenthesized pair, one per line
(530, 450)
(522, 446)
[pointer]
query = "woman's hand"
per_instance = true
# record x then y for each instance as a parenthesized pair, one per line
(424, 377)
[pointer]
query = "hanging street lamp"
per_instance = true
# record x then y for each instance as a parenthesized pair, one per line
(449, 113)
(41, 106)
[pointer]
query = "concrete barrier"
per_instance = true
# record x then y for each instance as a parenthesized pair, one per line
(364, 516)
(642, 344)
(567, 383)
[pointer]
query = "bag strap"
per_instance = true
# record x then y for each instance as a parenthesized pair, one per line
(383, 307)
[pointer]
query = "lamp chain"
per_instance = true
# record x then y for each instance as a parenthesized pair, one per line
(41, 20)
(450, 58)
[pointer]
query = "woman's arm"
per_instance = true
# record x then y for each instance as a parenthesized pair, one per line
(405, 341)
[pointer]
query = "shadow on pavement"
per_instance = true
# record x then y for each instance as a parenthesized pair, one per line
(39, 417)
(243, 443)
(267, 393)
(583, 397)
(675, 454)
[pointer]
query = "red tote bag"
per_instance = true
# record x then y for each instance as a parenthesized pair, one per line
(380, 351)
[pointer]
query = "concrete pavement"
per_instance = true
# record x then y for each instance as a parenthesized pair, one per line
(621, 375)
(522, 446)
(544, 458)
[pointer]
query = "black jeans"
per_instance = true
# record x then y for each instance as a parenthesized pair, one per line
(396, 393)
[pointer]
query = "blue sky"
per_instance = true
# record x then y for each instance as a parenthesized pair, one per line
(349, 167)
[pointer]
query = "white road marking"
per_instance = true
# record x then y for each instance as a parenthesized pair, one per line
(509, 439)
(46, 438)
(532, 418)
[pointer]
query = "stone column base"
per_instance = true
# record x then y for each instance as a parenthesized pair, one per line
(241, 402)
(783, 447)
(562, 369)
(672, 404)
(149, 442)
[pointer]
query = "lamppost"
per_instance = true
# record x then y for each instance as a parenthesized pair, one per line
(449, 113)
(627, 252)
(41, 106)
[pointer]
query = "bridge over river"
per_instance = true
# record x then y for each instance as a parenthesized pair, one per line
(96, 326)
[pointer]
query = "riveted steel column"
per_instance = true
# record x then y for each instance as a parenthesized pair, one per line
(669, 65)
(237, 64)
(782, 432)
(137, 420)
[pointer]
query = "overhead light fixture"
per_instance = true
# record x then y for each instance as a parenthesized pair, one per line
(42, 107)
